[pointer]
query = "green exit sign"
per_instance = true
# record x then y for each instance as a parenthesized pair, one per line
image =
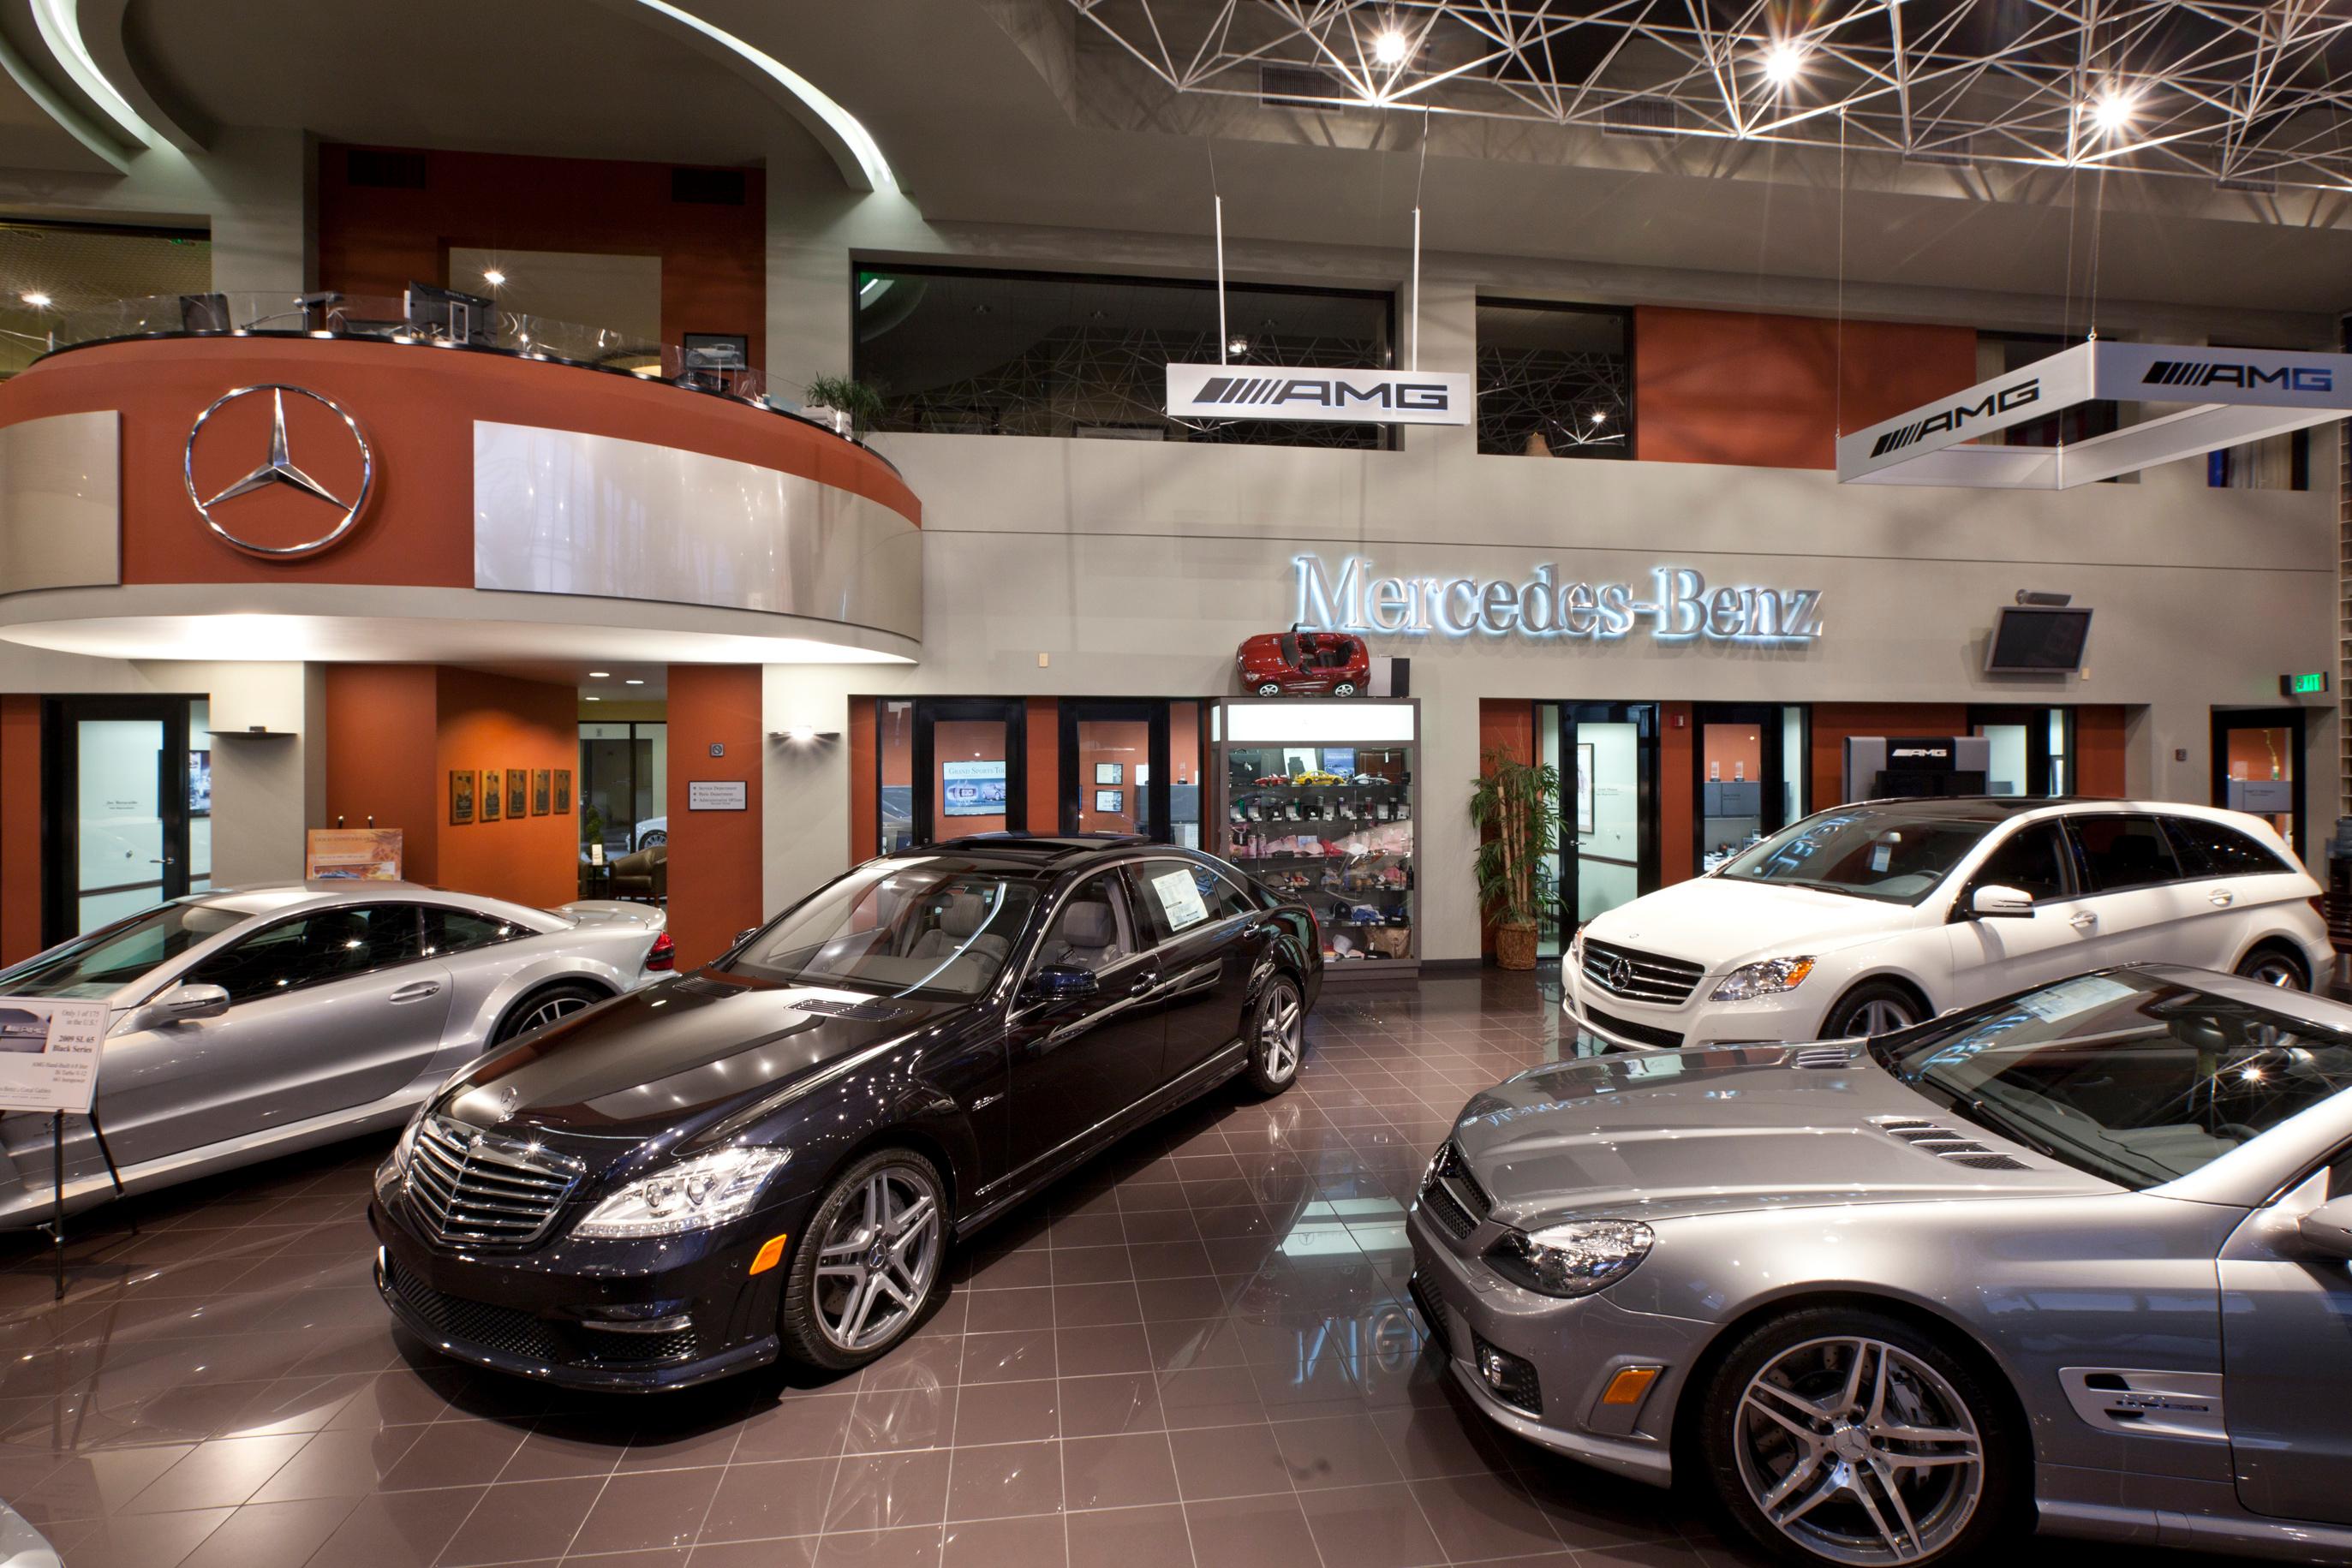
(2309, 684)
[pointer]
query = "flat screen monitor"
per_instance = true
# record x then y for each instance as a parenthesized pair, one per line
(2037, 639)
(445, 312)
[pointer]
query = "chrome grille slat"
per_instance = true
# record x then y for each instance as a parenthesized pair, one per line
(472, 1186)
(1452, 1196)
(1640, 977)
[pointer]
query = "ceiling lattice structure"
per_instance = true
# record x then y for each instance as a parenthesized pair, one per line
(2253, 96)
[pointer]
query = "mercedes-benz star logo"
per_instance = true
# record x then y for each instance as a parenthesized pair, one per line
(278, 469)
(1620, 974)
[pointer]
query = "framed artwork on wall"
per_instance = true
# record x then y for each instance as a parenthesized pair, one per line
(1110, 772)
(491, 796)
(518, 792)
(563, 791)
(1110, 800)
(461, 796)
(541, 792)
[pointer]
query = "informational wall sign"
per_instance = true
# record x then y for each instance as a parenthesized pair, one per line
(1676, 604)
(49, 1053)
(352, 854)
(1323, 396)
(973, 788)
(717, 795)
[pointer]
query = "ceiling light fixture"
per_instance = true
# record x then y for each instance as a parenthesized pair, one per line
(1600, 416)
(600, 675)
(494, 277)
(1392, 46)
(61, 24)
(633, 681)
(36, 298)
(1782, 61)
(2114, 111)
(591, 699)
(1237, 346)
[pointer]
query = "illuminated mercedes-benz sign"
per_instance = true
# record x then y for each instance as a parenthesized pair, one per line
(277, 469)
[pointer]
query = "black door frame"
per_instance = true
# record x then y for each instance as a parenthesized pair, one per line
(62, 792)
(1071, 712)
(1772, 761)
(2226, 719)
(1011, 712)
(1644, 718)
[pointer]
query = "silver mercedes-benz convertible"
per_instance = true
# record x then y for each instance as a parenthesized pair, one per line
(251, 1022)
(2077, 1258)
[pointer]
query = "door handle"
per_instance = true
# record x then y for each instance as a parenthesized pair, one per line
(166, 860)
(417, 992)
(1143, 984)
(2221, 898)
(2084, 920)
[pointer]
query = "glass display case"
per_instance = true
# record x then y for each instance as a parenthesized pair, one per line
(1317, 799)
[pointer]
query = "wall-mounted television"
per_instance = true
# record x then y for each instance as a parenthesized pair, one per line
(2037, 640)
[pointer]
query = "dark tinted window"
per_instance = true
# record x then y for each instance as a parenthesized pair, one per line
(2120, 852)
(313, 949)
(2032, 860)
(449, 931)
(1181, 895)
(2210, 849)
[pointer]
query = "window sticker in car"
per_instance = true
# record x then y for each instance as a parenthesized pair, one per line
(2067, 998)
(1180, 899)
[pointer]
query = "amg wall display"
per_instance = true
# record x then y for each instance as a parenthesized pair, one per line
(1316, 799)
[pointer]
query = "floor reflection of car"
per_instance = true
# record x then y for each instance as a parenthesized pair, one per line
(769, 1157)
(22, 1031)
(1870, 917)
(2080, 1252)
(248, 1023)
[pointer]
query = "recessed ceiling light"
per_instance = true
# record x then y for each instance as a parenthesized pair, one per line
(1392, 46)
(494, 277)
(1237, 346)
(600, 675)
(591, 699)
(633, 683)
(36, 299)
(1782, 61)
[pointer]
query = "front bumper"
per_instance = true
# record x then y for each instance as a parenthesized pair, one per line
(1631, 1025)
(690, 1307)
(1576, 1347)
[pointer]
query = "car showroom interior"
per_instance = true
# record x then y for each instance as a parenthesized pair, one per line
(1175, 784)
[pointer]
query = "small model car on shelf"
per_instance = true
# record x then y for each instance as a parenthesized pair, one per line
(1316, 781)
(1269, 781)
(1300, 663)
(1368, 778)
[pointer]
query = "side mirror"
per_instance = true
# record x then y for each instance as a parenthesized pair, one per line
(185, 1003)
(1061, 983)
(2328, 1229)
(745, 936)
(1994, 902)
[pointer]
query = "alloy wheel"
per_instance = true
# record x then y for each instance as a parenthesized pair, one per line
(2269, 969)
(1280, 1032)
(877, 1262)
(1882, 1016)
(550, 1010)
(1859, 1452)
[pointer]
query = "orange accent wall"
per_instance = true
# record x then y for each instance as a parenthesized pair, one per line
(1717, 386)
(1833, 722)
(714, 856)
(379, 764)
(20, 827)
(2099, 751)
(417, 406)
(1044, 741)
(1509, 724)
(1127, 742)
(497, 721)
(374, 240)
(865, 803)
(1676, 831)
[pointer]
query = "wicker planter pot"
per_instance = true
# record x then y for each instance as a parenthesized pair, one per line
(1514, 947)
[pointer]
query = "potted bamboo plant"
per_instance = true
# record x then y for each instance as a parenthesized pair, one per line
(1517, 807)
(850, 407)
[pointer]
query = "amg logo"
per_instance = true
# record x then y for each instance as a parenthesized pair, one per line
(1902, 751)
(1272, 391)
(1997, 401)
(2211, 372)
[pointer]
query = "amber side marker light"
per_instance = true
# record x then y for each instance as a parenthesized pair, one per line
(1626, 1389)
(772, 1253)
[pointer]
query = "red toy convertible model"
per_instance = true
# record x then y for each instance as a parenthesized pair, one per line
(1304, 662)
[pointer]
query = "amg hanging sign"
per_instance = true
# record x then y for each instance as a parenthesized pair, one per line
(1678, 606)
(1325, 397)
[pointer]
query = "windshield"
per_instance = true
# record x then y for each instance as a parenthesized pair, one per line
(903, 927)
(111, 957)
(1896, 855)
(2136, 1078)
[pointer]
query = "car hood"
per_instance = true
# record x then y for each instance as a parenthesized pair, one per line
(671, 1060)
(1717, 921)
(1673, 1133)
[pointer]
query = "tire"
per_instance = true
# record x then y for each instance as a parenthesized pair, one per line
(548, 1005)
(1277, 1036)
(2272, 965)
(1344, 689)
(1793, 1445)
(656, 837)
(1269, 688)
(878, 1236)
(1872, 1008)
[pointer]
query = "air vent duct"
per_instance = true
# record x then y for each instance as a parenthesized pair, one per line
(1641, 117)
(1822, 1057)
(1946, 1144)
(1298, 87)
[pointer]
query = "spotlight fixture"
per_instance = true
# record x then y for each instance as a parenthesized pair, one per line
(1782, 61)
(1237, 346)
(600, 675)
(1392, 46)
(633, 681)
(2112, 112)
(494, 277)
(591, 699)
(36, 298)
(1600, 416)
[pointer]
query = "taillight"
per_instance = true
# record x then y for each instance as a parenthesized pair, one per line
(663, 954)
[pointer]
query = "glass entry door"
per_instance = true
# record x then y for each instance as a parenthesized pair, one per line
(1114, 768)
(970, 772)
(1750, 779)
(2255, 752)
(1607, 755)
(124, 780)
(2030, 748)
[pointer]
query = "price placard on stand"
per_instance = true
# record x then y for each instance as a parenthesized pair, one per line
(49, 1053)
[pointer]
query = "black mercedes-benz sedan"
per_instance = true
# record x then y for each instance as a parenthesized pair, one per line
(770, 1156)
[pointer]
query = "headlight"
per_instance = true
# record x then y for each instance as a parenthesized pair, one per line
(1767, 979)
(1575, 949)
(1573, 1260)
(692, 1194)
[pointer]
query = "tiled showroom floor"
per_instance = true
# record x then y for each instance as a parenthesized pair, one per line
(1194, 1353)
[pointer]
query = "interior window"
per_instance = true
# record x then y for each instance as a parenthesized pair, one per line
(2032, 860)
(1091, 931)
(449, 931)
(2121, 851)
(2213, 849)
(330, 944)
(1176, 896)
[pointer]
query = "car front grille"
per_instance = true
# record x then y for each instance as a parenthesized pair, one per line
(1452, 1195)
(509, 1331)
(1640, 977)
(474, 1188)
(1640, 1034)
(1432, 1316)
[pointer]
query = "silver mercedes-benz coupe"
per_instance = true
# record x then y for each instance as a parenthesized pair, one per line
(252, 1022)
(2077, 1259)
